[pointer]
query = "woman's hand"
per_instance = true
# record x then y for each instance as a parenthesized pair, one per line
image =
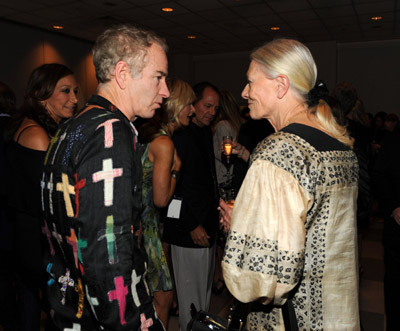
(225, 214)
(240, 151)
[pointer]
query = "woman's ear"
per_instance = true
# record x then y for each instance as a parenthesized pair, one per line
(122, 74)
(283, 85)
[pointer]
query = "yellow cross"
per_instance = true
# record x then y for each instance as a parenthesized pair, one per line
(68, 189)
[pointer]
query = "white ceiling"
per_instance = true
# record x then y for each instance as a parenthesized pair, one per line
(220, 25)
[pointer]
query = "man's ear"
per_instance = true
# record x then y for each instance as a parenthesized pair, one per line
(283, 85)
(122, 74)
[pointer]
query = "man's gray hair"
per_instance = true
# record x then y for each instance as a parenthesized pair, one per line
(123, 43)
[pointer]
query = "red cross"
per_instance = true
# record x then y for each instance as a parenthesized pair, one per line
(77, 187)
(119, 294)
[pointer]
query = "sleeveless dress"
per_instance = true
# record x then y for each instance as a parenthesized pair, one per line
(158, 275)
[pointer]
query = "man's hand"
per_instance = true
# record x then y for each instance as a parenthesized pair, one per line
(200, 236)
(396, 215)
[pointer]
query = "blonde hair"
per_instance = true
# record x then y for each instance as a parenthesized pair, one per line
(293, 59)
(181, 95)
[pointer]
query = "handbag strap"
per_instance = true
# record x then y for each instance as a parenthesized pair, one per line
(289, 316)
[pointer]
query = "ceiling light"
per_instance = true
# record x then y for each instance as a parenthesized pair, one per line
(275, 28)
(58, 27)
(191, 37)
(166, 9)
(376, 18)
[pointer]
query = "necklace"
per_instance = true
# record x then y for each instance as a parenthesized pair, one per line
(293, 116)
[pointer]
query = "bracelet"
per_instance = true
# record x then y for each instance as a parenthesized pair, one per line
(175, 174)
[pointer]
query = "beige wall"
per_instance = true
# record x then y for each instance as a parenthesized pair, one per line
(24, 48)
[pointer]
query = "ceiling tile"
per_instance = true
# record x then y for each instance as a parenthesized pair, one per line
(288, 5)
(335, 12)
(375, 8)
(253, 10)
(200, 5)
(329, 3)
(302, 15)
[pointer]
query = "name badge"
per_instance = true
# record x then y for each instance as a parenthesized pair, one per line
(174, 208)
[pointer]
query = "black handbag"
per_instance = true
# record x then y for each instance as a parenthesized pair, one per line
(204, 321)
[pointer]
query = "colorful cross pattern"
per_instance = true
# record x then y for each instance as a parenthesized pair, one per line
(119, 294)
(48, 270)
(109, 235)
(108, 132)
(71, 139)
(92, 301)
(72, 240)
(47, 233)
(65, 281)
(50, 186)
(135, 281)
(81, 244)
(145, 324)
(67, 189)
(79, 185)
(75, 326)
(52, 142)
(79, 289)
(57, 236)
(107, 174)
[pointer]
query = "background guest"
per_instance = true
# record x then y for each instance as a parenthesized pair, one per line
(161, 166)
(51, 96)
(192, 233)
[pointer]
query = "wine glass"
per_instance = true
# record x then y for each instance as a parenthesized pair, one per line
(227, 145)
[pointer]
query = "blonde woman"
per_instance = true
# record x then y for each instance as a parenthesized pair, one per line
(161, 166)
(292, 243)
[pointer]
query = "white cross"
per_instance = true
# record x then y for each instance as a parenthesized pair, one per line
(107, 174)
(135, 281)
(50, 186)
(92, 301)
(75, 326)
(42, 185)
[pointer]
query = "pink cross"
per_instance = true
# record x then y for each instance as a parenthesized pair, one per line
(119, 294)
(145, 323)
(47, 233)
(107, 174)
(72, 241)
(108, 132)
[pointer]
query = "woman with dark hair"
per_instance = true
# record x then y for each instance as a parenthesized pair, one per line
(51, 96)
(161, 166)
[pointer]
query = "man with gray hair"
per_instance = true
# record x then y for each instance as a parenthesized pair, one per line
(91, 191)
